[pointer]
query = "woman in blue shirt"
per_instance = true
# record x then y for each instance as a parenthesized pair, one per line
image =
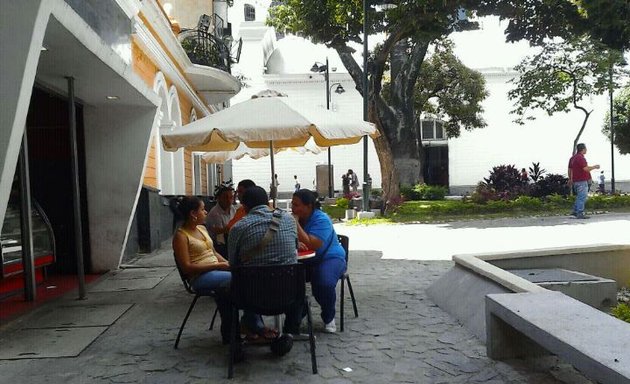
(316, 232)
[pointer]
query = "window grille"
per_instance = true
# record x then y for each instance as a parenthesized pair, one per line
(250, 12)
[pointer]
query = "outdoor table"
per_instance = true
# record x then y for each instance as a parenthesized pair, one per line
(305, 255)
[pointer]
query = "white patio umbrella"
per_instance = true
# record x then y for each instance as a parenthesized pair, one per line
(268, 122)
(219, 157)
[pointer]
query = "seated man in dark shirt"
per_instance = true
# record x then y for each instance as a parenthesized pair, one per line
(243, 248)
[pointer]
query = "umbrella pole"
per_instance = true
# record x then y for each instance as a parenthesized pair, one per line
(273, 172)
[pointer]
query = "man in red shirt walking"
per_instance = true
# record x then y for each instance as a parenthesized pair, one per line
(579, 177)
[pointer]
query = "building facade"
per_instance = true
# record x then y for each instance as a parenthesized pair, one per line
(87, 87)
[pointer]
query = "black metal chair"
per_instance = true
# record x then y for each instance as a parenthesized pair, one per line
(345, 241)
(191, 290)
(268, 290)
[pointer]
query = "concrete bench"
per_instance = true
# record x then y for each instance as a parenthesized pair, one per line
(529, 324)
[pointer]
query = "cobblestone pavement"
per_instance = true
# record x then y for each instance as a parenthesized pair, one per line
(400, 337)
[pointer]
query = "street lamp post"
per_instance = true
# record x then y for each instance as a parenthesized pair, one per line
(366, 197)
(339, 90)
(612, 133)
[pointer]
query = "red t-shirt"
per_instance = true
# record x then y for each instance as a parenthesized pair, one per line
(577, 164)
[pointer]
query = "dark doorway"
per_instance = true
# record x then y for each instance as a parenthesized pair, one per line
(50, 157)
(436, 165)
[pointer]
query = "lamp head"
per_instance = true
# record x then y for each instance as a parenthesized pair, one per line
(339, 90)
(318, 67)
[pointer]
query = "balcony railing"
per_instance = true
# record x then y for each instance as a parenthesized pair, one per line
(203, 48)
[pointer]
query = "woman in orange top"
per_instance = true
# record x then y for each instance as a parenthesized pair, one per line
(199, 261)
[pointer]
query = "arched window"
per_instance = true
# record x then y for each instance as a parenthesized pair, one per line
(250, 12)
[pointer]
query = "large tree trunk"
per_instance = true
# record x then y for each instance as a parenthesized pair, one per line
(400, 148)
(398, 151)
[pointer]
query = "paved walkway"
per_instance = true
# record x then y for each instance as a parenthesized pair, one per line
(400, 336)
(442, 241)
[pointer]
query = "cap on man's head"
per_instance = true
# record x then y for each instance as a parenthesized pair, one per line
(581, 147)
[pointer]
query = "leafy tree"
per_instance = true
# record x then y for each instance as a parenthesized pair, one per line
(412, 29)
(621, 119)
(559, 78)
(606, 21)
(449, 88)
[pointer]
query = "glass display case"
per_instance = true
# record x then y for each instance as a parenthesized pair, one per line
(11, 239)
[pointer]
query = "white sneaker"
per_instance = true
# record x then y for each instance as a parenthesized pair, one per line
(330, 327)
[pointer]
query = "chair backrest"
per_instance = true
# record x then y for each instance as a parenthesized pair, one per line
(183, 276)
(345, 243)
(268, 290)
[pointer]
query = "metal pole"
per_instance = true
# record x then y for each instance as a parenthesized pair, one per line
(612, 134)
(366, 197)
(273, 171)
(76, 193)
(330, 171)
(28, 261)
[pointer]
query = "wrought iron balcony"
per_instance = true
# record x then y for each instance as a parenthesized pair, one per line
(211, 43)
(203, 48)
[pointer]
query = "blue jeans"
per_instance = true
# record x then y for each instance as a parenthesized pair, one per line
(211, 280)
(324, 278)
(218, 281)
(581, 190)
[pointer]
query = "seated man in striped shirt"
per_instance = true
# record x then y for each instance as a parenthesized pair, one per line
(244, 248)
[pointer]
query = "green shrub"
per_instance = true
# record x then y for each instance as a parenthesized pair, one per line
(483, 193)
(334, 211)
(342, 202)
(559, 201)
(551, 184)
(505, 179)
(608, 201)
(622, 312)
(430, 192)
(528, 203)
(376, 192)
(409, 193)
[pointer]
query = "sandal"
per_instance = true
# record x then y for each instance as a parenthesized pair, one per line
(270, 333)
(265, 337)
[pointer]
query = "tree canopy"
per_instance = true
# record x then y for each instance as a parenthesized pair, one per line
(605, 21)
(621, 113)
(564, 73)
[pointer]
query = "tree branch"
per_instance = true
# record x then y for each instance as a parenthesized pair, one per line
(351, 65)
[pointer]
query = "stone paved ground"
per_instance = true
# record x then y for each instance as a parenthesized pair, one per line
(400, 337)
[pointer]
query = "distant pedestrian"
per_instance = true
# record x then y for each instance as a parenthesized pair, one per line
(297, 184)
(273, 188)
(345, 182)
(579, 177)
(602, 182)
(524, 176)
(354, 180)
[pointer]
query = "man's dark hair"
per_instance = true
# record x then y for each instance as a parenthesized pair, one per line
(581, 147)
(246, 183)
(254, 196)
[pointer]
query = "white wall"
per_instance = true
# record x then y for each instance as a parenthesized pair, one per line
(547, 140)
(22, 27)
(116, 145)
